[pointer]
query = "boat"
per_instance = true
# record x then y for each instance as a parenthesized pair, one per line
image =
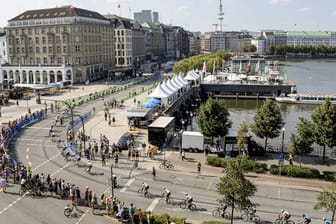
(314, 99)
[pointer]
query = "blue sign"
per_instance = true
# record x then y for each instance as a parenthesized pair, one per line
(282, 156)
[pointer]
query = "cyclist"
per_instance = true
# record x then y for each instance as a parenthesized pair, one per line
(284, 216)
(166, 194)
(188, 199)
(22, 185)
(144, 188)
(251, 209)
(326, 221)
(89, 167)
(306, 219)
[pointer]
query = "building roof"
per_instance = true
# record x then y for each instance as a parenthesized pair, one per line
(162, 122)
(152, 27)
(308, 33)
(58, 12)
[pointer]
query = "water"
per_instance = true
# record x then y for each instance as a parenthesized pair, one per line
(311, 76)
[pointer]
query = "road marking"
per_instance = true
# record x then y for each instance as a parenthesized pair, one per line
(154, 203)
(37, 128)
(127, 185)
(209, 185)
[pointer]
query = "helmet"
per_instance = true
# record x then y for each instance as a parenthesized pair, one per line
(164, 188)
(282, 210)
(186, 194)
(323, 218)
(303, 215)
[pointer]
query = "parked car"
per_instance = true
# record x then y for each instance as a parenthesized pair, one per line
(122, 142)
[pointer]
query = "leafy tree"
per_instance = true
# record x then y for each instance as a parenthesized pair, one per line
(234, 187)
(241, 139)
(253, 48)
(324, 118)
(301, 144)
(213, 118)
(267, 122)
(327, 199)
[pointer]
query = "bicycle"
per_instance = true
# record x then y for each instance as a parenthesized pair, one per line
(168, 200)
(220, 212)
(192, 206)
(280, 221)
(252, 217)
(166, 165)
(145, 194)
(69, 209)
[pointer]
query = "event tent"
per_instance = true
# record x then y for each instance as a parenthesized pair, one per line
(160, 94)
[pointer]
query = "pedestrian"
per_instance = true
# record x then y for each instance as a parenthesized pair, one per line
(3, 184)
(93, 202)
(207, 149)
(103, 159)
(154, 173)
(199, 168)
(131, 213)
(290, 158)
(113, 120)
(116, 158)
(183, 155)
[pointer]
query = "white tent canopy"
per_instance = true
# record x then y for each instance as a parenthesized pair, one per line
(195, 74)
(172, 85)
(179, 82)
(210, 79)
(190, 76)
(171, 92)
(182, 80)
(173, 81)
(159, 93)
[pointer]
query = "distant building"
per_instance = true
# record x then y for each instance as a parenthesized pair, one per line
(3, 48)
(308, 38)
(58, 44)
(260, 43)
(146, 16)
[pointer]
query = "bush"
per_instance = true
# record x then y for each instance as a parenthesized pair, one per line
(329, 176)
(214, 222)
(251, 165)
(295, 171)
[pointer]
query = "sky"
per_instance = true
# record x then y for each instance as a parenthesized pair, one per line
(201, 15)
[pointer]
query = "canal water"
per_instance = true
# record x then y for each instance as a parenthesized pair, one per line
(310, 76)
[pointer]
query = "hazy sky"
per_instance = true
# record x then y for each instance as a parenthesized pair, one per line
(200, 15)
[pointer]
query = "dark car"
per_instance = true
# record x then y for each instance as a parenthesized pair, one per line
(122, 142)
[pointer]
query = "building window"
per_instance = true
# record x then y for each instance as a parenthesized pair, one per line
(37, 31)
(37, 40)
(45, 61)
(65, 49)
(44, 50)
(44, 40)
(58, 49)
(30, 50)
(18, 50)
(77, 60)
(38, 60)
(59, 60)
(50, 40)
(57, 29)
(37, 50)
(77, 48)
(50, 51)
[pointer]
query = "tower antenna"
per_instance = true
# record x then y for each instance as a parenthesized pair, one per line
(220, 15)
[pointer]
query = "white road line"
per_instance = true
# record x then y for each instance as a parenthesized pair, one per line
(37, 128)
(127, 185)
(153, 204)
(27, 156)
(27, 150)
(209, 185)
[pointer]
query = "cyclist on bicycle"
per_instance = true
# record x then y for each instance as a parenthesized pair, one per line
(306, 219)
(89, 167)
(284, 216)
(166, 194)
(251, 209)
(144, 187)
(188, 199)
(23, 184)
(326, 221)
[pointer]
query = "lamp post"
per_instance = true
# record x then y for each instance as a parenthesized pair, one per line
(191, 120)
(282, 140)
(112, 184)
(182, 121)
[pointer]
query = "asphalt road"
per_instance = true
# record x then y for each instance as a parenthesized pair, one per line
(34, 146)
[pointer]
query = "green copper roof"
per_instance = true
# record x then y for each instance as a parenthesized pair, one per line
(308, 33)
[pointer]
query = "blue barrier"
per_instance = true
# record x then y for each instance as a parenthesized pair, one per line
(72, 149)
(78, 121)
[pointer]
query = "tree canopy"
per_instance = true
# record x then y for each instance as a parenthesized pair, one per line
(327, 199)
(301, 144)
(213, 118)
(196, 62)
(268, 121)
(234, 187)
(241, 139)
(324, 118)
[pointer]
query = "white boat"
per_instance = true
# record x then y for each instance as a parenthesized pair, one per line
(306, 98)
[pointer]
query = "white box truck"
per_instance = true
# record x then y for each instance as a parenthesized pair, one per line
(192, 141)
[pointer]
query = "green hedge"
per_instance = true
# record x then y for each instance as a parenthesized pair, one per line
(215, 222)
(251, 165)
(295, 171)
(329, 176)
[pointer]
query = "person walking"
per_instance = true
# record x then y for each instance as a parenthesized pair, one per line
(199, 168)
(131, 213)
(154, 173)
(103, 158)
(182, 155)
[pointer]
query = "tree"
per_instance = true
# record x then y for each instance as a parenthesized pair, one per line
(267, 122)
(234, 187)
(327, 199)
(324, 118)
(241, 139)
(253, 48)
(213, 118)
(301, 144)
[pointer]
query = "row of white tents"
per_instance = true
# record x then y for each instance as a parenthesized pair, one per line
(169, 91)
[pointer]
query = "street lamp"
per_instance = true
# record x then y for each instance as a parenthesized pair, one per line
(182, 121)
(112, 182)
(191, 121)
(282, 140)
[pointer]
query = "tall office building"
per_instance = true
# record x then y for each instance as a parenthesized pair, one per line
(146, 16)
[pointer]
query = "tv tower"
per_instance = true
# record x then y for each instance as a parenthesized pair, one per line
(220, 16)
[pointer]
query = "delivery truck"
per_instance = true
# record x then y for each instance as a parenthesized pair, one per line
(192, 141)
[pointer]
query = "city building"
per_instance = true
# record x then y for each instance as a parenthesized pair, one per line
(154, 42)
(260, 44)
(146, 16)
(56, 45)
(194, 43)
(3, 49)
(129, 46)
(311, 38)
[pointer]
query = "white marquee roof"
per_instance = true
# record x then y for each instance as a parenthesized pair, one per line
(159, 93)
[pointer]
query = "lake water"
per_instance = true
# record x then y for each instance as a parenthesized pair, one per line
(310, 76)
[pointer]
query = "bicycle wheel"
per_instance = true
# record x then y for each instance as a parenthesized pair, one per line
(226, 215)
(161, 166)
(67, 212)
(170, 167)
(256, 219)
(192, 207)
(290, 222)
(216, 213)
(244, 217)
(148, 195)
(139, 192)
(182, 205)
(278, 221)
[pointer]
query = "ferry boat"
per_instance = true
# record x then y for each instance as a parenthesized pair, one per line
(306, 98)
